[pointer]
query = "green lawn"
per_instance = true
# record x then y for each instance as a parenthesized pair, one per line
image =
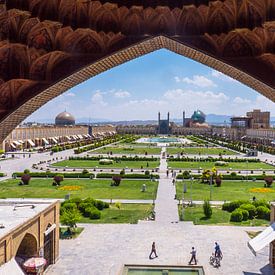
(200, 151)
(98, 189)
(128, 213)
(128, 150)
(230, 190)
(95, 164)
(209, 165)
(220, 217)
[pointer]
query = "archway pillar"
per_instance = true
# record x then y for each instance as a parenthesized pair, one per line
(272, 245)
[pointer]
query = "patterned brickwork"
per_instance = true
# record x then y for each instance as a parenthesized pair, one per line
(47, 47)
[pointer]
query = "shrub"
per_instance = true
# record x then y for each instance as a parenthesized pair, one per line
(245, 214)
(186, 175)
(231, 206)
(122, 172)
(118, 204)
(87, 211)
(99, 204)
(58, 178)
(268, 181)
(26, 179)
(207, 210)
(250, 208)
(233, 174)
(218, 181)
(263, 212)
(70, 218)
(261, 203)
(106, 205)
(85, 171)
(95, 214)
(83, 206)
(236, 216)
(77, 201)
(26, 171)
(69, 206)
(147, 173)
(116, 180)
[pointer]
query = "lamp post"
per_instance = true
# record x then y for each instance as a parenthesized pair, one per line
(246, 170)
(191, 190)
(211, 183)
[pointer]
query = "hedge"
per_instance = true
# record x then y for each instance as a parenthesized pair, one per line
(210, 159)
(136, 158)
(51, 174)
(127, 176)
(3, 174)
(228, 177)
(100, 143)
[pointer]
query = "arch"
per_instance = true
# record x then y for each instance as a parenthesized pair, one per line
(120, 57)
(28, 247)
(60, 44)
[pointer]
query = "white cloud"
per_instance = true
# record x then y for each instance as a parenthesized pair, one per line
(197, 80)
(221, 76)
(239, 100)
(97, 99)
(177, 79)
(122, 94)
(70, 94)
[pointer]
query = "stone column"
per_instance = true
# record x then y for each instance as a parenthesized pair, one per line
(272, 245)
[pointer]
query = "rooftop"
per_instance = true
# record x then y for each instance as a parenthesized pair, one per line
(15, 212)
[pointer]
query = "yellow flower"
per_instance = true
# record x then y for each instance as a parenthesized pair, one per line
(261, 190)
(70, 188)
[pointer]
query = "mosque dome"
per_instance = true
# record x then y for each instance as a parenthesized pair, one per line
(64, 118)
(198, 117)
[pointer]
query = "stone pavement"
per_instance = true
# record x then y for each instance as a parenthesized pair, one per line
(103, 249)
(166, 206)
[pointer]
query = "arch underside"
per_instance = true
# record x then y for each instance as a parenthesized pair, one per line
(47, 47)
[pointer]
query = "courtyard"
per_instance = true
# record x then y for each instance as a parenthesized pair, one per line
(104, 249)
(124, 233)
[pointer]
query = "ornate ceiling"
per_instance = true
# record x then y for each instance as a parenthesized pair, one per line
(43, 42)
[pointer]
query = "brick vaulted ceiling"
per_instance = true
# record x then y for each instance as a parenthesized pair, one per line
(49, 46)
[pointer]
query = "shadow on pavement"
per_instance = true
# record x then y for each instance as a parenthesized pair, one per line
(266, 270)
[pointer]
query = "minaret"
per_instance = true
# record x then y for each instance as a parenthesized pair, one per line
(183, 118)
(159, 116)
(168, 117)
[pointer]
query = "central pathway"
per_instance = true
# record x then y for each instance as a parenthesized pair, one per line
(166, 207)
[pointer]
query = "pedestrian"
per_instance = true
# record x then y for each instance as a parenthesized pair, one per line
(217, 250)
(167, 173)
(153, 250)
(173, 181)
(193, 256)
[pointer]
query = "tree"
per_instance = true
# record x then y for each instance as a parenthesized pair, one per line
(205, 177)
(116, 180)
(207, 210)
(57, 179)
(25, 179)
(218, 181)
(70, 217)
(268, 181)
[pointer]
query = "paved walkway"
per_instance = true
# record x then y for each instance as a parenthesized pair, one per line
(166, 206)
(105, 248)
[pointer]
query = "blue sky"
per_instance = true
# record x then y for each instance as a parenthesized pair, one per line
(160, 81)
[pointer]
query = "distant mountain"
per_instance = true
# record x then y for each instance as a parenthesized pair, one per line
(217, 119)
(212, 119)
(92, 120)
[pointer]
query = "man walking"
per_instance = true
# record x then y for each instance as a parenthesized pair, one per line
(218, 251)
(153, 250)
(193, 256)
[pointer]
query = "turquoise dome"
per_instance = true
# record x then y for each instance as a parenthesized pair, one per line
(198, 117)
